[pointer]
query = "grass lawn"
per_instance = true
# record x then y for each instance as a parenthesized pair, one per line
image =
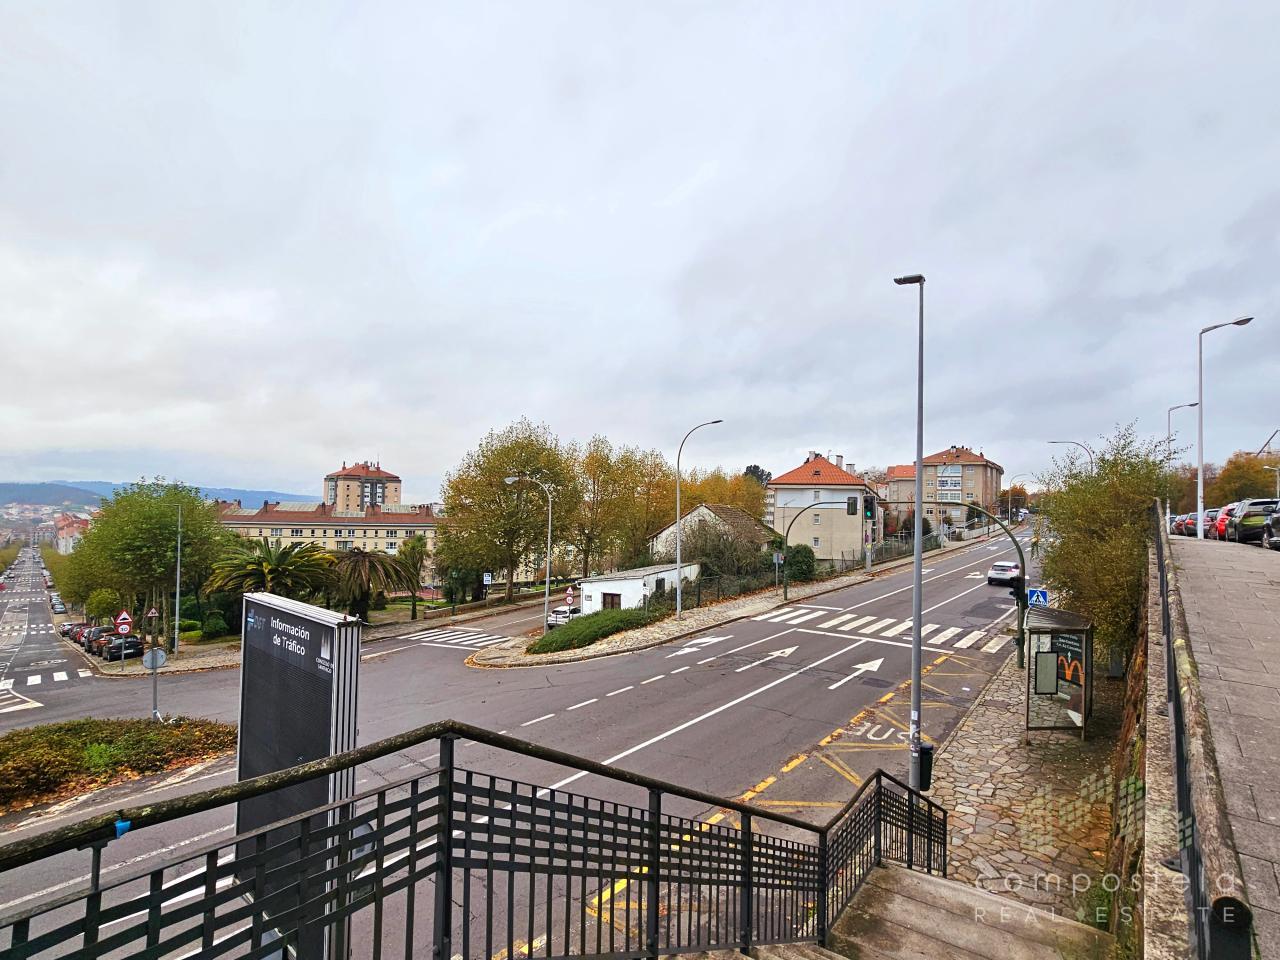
(55, 759)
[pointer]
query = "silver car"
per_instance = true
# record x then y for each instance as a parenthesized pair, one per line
(562, 614)
(1003, 572)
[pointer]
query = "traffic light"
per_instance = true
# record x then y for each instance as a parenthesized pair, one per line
(869, 507)
(1018, 588)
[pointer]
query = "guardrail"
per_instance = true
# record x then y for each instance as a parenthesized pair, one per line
(1220, 918)
(473, 864)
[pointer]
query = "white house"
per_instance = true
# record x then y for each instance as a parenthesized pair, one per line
(733, 521)
(627, 589)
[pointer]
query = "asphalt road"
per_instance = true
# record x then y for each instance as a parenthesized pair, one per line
(725, 711)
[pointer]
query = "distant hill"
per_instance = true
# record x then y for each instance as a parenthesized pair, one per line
(247, 497)
(49, 495)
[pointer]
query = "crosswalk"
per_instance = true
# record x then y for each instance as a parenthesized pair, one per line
(37, 679)
(8, 629)
(932, 634)
(460, 637)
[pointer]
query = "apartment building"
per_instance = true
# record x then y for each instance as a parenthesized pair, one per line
(361, 485)
(812, 500)
(959, 475)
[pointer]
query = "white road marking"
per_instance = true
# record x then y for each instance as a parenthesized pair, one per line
(956, 597)
(894, 631)
(859, 670)
(776, 614)
(680, 728)
(33, 680)
(59, 675)
(880, 625)
(927, 629)
(86, 673)
(530, 723)
(6, 684)
(840, 619)
(680, 669)
(970, 639)
(652, 679)
(818, 606)
(995, 643)
(945, 635)
(801, 618)
(854, 624)
(622, 690)
(785, 652)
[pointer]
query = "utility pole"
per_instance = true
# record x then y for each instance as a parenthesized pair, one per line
(177, 589)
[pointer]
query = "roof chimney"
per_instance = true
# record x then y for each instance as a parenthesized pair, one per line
(840, 460)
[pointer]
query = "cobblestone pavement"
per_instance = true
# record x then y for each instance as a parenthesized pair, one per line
(1231, 597)
(1028, 812)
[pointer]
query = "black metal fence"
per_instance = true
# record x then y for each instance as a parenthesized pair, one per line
(463, 863)
(1221, 922)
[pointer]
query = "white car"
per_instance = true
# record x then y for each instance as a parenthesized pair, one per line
(562, 614)
(1003, 572)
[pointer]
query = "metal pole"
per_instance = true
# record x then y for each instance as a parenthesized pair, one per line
(1200, 436)
(155, 686)
(546, 594)
(917, 567)
(679, 567)
(1088, 452)
(177, 590)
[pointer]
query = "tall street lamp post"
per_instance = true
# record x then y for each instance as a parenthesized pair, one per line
(1011, 479)
(1168, 439)
(917, 574)
(546, 594)
(1238, 322)
(679, 568)
(1088, 452)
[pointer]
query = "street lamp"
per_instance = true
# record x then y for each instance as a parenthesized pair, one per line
(679, 568)
(1238, 322)
(1082, 447)
(1276, 471)
(917, 570)
(1168, 435)
(546, 595)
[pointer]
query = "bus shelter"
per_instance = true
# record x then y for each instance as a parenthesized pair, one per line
(1059, 670)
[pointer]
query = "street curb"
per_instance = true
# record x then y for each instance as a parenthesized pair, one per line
(412, 626)
(143, 675)
(601, 654)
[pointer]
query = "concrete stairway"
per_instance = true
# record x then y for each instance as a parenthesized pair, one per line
(904, 915)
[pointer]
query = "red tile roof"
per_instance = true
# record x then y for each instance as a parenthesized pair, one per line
(905, 471)
(363, 471)
(401, 515)
(960, 455)
(819, 471)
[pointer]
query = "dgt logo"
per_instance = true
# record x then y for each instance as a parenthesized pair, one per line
(252, 620)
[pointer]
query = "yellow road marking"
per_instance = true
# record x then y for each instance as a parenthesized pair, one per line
(791, 765)
(840, 767)
(800, 803)
(758, 788)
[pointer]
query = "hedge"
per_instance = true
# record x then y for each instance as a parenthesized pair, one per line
(584, 631)
(37, 763)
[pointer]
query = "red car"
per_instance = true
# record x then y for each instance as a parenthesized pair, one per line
(1219, 529)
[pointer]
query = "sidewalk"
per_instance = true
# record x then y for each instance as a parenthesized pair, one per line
(1231, 597)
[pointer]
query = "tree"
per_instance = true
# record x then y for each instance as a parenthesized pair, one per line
(102, 604)
(602, 498)
(758, 473)
(715, 486)
(360, 574)
(410, 559)
(1015, 496)
(1244, 475)
(650, 484)
(1097, 561)
(504, 524)
(801, 563)
(718, 552)
(296, 570)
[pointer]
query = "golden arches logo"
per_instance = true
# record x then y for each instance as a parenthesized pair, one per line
(1071, 668)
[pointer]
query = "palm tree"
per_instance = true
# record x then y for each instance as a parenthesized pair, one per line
(295, 570)
(410, 558)
(362, 573)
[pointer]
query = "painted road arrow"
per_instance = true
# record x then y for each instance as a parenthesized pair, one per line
(696, 646)
(858, 670)
(785, 652)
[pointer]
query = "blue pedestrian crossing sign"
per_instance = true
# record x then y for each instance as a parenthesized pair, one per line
(1037, 597)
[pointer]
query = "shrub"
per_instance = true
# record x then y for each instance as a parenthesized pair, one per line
(801, 563)
(39, 762)
(585, 631)
(214, 626)
(102, 603)
(189, 636)
(185, 625)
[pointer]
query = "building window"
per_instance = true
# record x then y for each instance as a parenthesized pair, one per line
(817, 517)
(351, 533)
(968, 468)
(275, 531)
(296, 532)
(259, 531)
(817, 541)
(313, 532)
(817, 495)
(343, 544)
(391, 546)
(969, 497)
(928, 512)
(393, 534)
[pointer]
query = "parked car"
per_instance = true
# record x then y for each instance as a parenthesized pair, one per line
(562, 614)
(121, 648)
(59, 608)
(68, 628)
(1224, 515)
(1003, 572)
(1210, 520)
(1271, 531)
(99, 637)
(1178, 523)
(1245, 525)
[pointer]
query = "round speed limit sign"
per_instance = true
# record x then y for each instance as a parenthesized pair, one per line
(123, 629)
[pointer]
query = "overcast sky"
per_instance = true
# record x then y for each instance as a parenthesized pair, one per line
(240, 243)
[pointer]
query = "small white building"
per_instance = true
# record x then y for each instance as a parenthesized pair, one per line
(627, 589)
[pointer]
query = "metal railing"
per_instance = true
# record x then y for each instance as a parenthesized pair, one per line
(458, 862)
(1220, 919)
